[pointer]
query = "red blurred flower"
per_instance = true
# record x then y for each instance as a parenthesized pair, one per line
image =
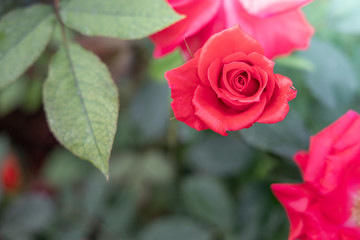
(229, 85)
(279, 25)
(327, 205)
(10, 173)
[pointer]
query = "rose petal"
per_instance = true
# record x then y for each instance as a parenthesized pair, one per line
(266, 8)
(293, 33)
(230, 82)
(251, 91)
(336, 206)
(350, 137)
(168, 39)
(223, 44)
(292, 196)
(219, 117)
(277, 24)
(278, 34)
(295, 198)
(332, 184)
(183, 83)
(321, 145)
(231, 96)
(253, 59)
(178, 3)
(278, 107)
(336, 168)
(258, 60)
(196, 41)
(236, 57)
(349, 234)
(301, 158)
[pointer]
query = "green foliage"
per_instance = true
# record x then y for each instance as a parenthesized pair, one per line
(345, 15)
(220, 155)
(295, 62)
(174, 228)
(18, 221)
(12, 96)
(167, 180)
(333, 78)
(284, 138)
(63, 168)
(81, 103)
(127, 19)
(207, 199)
(256, 210)
(151, 167)
(24, 94)
(159, 66)
(24, 34)
(4, 146)
(33, 96)
(149, 110)
(120, 216)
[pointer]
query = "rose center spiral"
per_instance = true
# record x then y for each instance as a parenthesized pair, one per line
(240, 82)
(243, 83)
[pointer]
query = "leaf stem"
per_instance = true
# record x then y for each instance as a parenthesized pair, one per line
(62, 27)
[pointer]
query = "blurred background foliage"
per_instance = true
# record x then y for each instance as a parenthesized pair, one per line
(168, 181)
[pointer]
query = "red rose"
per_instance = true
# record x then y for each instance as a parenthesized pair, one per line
(10, 173)
(327, 205)
(279, 25)
(229, 85)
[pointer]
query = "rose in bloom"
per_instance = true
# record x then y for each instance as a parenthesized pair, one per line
(10, 173)
(326, 206)
(279, 25)
(229, 85)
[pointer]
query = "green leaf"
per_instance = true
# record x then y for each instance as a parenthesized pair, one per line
(284, 138)
(207, 199)
(24, 34)
(12, 96)
(333, 80)
(159, 66)
(127, 19)
(345, 15)
(150, 110)
(296, 62)
(220, 155)
(255, 211)
(151, 167)
(63, 168)
(317, 15)
(118, 217)
(157, 168)
(174, 228)
(81, 103)
(93, 195)
(33, 96)
(26, 215)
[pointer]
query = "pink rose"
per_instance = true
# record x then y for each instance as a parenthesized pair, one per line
(327, 205)
(279, 25)
(229, 85)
